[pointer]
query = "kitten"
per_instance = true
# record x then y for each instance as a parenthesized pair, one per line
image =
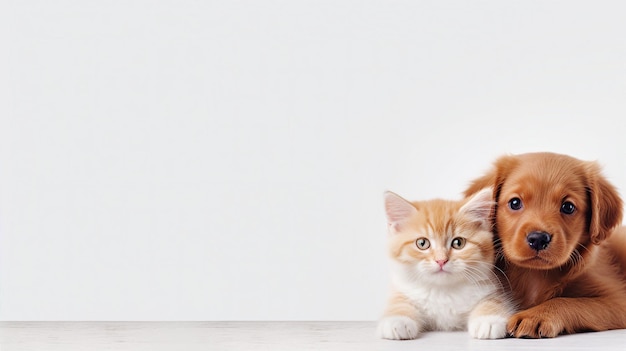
(442, 269)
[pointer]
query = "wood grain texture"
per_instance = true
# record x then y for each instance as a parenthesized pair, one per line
(192, 336)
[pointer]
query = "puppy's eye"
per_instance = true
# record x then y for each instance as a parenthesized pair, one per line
(458, 243)
(568, 208)
(515, 204)
(422, 243)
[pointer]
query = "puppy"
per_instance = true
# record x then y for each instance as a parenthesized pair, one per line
(557, 241)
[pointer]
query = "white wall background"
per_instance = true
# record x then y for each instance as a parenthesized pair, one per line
(225, 160)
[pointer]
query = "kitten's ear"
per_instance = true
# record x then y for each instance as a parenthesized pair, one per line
(398, 211)
(479, 207)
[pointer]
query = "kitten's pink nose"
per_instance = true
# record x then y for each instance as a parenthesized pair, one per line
(441, 262)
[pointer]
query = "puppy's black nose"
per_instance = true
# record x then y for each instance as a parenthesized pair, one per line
(538, 240)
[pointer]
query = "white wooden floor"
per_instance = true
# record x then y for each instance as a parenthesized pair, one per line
(191, 336)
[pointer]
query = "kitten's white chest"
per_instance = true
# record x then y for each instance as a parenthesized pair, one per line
(445, 308)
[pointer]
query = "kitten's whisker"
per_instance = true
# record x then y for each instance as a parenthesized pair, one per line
(584, 247)
(576, 257)
(493, 271)
(479, 275)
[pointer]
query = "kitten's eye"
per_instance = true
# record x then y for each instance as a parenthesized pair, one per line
(422, 243)
(515, 204)
(458, 243)
(568, 208)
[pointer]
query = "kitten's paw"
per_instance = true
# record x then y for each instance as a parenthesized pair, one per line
(398, 328)
(490, 326)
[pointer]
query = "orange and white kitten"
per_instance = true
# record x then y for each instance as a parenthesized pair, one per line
(442, 261)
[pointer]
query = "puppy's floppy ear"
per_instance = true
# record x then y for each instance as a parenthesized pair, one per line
(605, 204)
(494, 178)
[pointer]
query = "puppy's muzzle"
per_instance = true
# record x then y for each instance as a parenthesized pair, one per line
(538, 240)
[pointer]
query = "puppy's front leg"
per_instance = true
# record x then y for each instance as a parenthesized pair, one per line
(563, 315)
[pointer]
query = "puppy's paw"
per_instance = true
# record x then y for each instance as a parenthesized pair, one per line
(490, 326)
(398, 328)
(534, 323)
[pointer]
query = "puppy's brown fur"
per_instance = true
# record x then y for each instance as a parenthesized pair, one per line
(578, 281)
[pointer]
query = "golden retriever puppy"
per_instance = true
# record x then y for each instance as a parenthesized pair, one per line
(557, 241)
